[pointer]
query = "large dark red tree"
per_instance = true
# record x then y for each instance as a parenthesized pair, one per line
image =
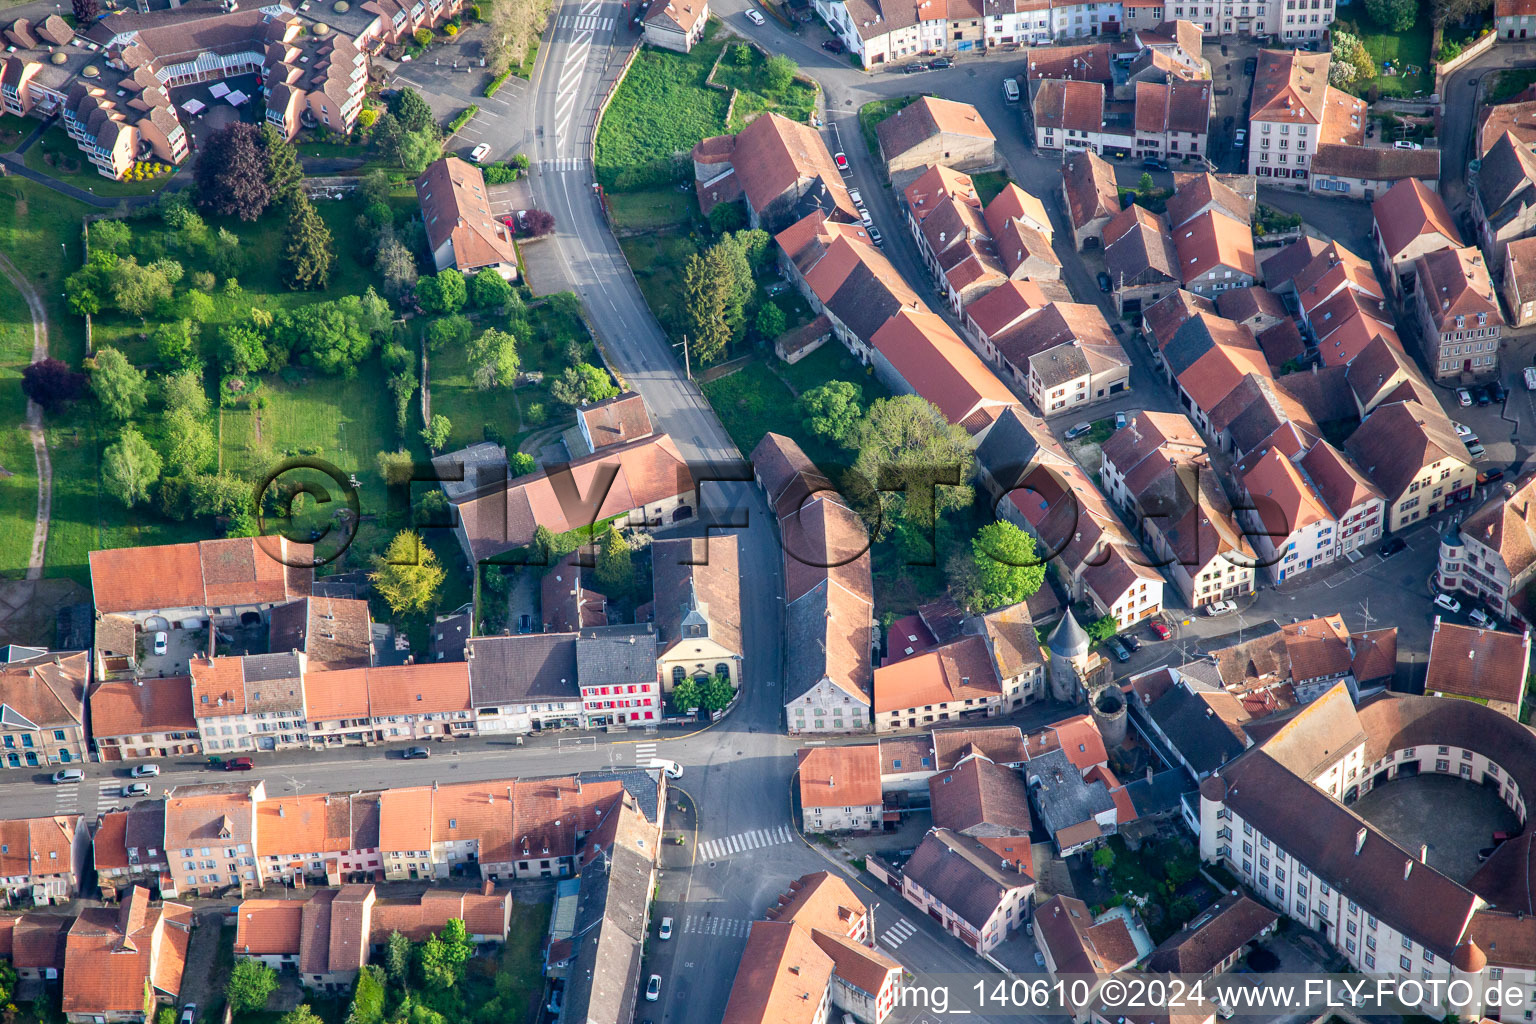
(50, 383)
(86, 13)
(232, 173)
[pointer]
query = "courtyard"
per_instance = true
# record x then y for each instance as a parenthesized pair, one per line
(1452, 816)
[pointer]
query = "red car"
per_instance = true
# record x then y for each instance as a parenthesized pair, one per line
(842, 162)
(238, 764)
(1160, 631)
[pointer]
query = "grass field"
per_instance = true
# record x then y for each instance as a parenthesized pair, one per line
(989, 184)
(18, 485)
(653, 209)
(13, 129)
(1410, 46)
(796, 102)
(657, 260)
(1505, 84)
(472, 411)
(57, 156)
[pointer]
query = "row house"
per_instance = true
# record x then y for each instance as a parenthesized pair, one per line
(840, 788)
(43, 859)
(42, 706)
(878, 35)
(952, 682)
(1504, 193)
(1215, 253)
(1371, 171)
(1292, 21)
(250, 702)
(1140, 258)
(616, 666)
(128, 848)
(1410, 221)
(1489, 557)
(315, 80)
(1293, 110)
(388, 704)
(318, 838)
(1411, 453)
(828, 593)
(1289, 508)
(1518, 284)
(1073, 115)
(399, 19)
(974, 893)
(1459, 313)
(210, 837)
(524, 683)
(1090, 196)
(143, 718)
(1173, 119)
(122, 964)
(1061, 355)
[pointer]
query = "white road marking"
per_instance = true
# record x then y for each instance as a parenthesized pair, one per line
(717, 849)
(898, 933)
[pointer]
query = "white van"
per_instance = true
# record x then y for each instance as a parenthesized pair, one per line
(672, 768)
(1011, 90)
(1530, 378)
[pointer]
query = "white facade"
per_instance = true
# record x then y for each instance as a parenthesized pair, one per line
(827, 707)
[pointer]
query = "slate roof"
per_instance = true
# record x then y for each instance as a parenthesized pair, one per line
(963, 875)
(531, 668)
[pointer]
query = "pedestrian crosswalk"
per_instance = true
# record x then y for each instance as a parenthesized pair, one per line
(586, 22)
(644, 752)
(569, 163)
(898, 933)
(724, 927)
(718, 849)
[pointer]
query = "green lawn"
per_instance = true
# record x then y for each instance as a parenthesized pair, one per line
(18, 484)
(653, 209)
(525, 69)
(514, 975)
(988, 185)
(752, 402)
(57, 156)
(657, 260)
(831, 362)
(796, 102)
(13, 129)
(1410, 46)
(875, 111)
(1505, 84)
(479, 415)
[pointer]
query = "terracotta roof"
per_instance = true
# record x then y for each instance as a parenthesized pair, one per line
(1089, 62)
(420, 689)
(1089, 184)
(1216, 933)
(963, 875)
(1252, 303)
(819, 901)
(1483, 664)
(1290, 86)
(1285, 501)
(209, 813)
(1506, 523)
(1338, 480)
(1138, 248)
(1283, 267)
(929, 189)
(1180, 105)
(864, 967)
(1408, 211)
(131, 838)
(208, 573)
(774, 154)
(317, 823)
(941, 368)
(113, 956)
(617, 419)
(457, 211)
(685, 15)
(704, 569)
(333, 632)
(1212, 240)
(782, 979)
(1398, 440)
(1069, 105)
(1000, 744)
(147, 705)
(926, 117)
(268, 927)
(427, 914)
(38, 942)
(1518, 118)
(1375, 163)
(1064, 926)
(1014, 204)
(840, 776)
(44, 692)
(957, 671)
(1457, 285)
(1519, 272)
(980, 798)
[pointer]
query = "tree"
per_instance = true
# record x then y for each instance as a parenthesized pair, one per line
(174, 343)
(444, 293)
(582, 383)
(118, 385)
(615, 570)
(1103, 858)
(222, 248)
(189, 445)
(490, 290)
(538, 222)
(1393, 15)
(136, 289)
(449, 331)
(285, 175)
(685, 695)
(301, 1014)
(904, 443)
(831, 410)
(706, 299)
(331, 336)
(436, 433)
(183, 390)
(1007, 568)
(770, 321)
(779, 72)
(1144, 184)
(415, 150)
(86, 11)
(368, 996)
(242, 349)
(165, 1015)
(730, 258)
(396, 467)
(727, 217)
(411, 110)
(397, 958)
(307, 254)
(437, 970)
(50, 383)
(7, 982)
(111, 235)
(396, 267)
(457, 945)
(251, 983)
(1351, 61)
(716, 694)
(1101, 629)
(231, 173)
(493, 360)
(407, 574)
(130, 467)
(520, 464)
(219, 494)
(542, 549)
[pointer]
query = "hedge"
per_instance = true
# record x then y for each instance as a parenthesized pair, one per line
(497, 82)
(463, 118)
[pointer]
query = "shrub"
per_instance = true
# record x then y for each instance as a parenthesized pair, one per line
(538, 222)
(423, 36)
(500, 174)
(366, 117)
(463, 118)
(203, 280)
(496, 83)
(450, 30)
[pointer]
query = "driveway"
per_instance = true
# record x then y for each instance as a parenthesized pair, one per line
(206, 972)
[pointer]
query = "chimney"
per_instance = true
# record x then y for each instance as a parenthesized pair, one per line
(1424, 853)
(1359, 841)
(282, 812)
(1407, 869)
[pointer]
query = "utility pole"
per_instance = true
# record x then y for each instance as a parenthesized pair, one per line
(687, 372)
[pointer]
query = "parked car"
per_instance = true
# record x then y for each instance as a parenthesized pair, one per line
(1391, 546)
(1119, 420)
(1503, 837)
(940, 64)
(161, 640)
(1159, 630)
(1010, 90)
(238, 764)
(1077, 430)
(1105, 282)
(188, 1013)
(1118, 649)
(914, 69)
(1250, 65)
(1220, 608)
(1039, 959)
(865, 217)
(1129, 639)
(841, 159)
(1152, 163)
(1491, 476)
(653, 989)
(136, 789)
(1463, 397)
(833, 45)
(1483, 619)
(1530, 378)
(412, 753)
(666, 929)
(1405, 144)
(1464, 432)
(1481, 396)
(875, 235)
(1476, 449)
(754, 17)
(1239, 138)
(144, 771)
(67, 775)
(1498, 391)
(480, 152)
(672, 768)
(857, 197)
(1445, 602)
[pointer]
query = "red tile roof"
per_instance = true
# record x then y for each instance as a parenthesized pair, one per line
(930, 356)
(1483, 664)
(840, 776)
(457, 210)
(1408, 211)
(148, 705)
(209, 573)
